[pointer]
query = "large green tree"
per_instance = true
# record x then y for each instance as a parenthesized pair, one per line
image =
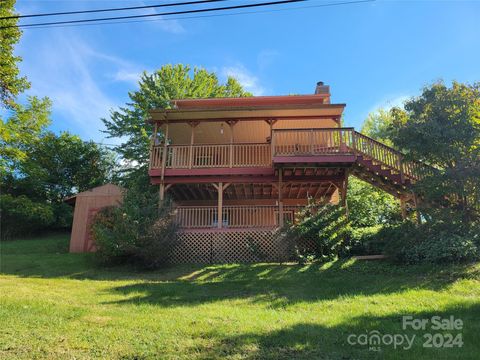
(19, 124)
(156, 90)
(11, 83)
(55, 166)
(368, 205)
(377, 125)
(442, 128)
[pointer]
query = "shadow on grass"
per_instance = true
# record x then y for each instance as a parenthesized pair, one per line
(277, 285)
(282, 285)
(314, 341)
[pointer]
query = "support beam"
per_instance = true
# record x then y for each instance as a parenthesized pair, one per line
(164, 155)
(220, 189)
(280, 199)
(403, 207)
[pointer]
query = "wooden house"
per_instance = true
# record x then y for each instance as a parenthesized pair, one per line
(238, 168)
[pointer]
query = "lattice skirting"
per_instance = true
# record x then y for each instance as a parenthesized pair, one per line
(208, 247)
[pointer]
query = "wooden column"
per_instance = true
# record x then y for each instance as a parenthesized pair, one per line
(164, 155)
(192, 137)
(161, 194)
(344, 193)
(403, 207)
(280, 199)
(219, 188)
(231, 124)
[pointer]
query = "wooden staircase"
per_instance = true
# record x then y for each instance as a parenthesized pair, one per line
(385, 167)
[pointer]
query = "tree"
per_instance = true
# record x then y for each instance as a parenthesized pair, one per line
(11, 83)
(377, 125)
(20, 130)
(55, 167)
(58, 166)
(368, 205)
(156, 91)
(24, 123)
(442, 128)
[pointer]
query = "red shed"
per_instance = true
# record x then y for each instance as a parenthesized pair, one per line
(87, 204)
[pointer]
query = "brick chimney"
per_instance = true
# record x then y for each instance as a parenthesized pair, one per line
(322, 89)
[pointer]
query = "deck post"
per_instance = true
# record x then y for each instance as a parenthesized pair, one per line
(403, 207)
(344, 193)
(280, 200)
(220, 204)
(231, 124)
(192, 137)
(153, 140)
(161, 194)
(400, 166)
(164, 155)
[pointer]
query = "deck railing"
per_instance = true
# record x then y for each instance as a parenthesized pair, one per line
(287, 142)
(212, 156)
(291, 142)
(238, 216)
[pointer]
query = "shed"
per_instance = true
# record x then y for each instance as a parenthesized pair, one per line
(87, 204)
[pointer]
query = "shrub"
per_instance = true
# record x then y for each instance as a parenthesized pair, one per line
(320, 232)
(22, 216)
(432, 242)
(137, 232)
(365, 241)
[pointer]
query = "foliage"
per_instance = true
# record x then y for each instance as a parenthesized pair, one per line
(365, 241)
(442, 128)
(58, 166)
(11, 83)
(55, 167)
(22, 216)
(324, 226)
(370, 206)
(157, 90)
(19, 124)
(377, 125)
(432, 242)
(138, 232)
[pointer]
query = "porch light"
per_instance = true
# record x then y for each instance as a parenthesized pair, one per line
(221, 129)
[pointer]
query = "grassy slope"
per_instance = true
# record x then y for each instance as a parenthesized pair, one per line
(57, 305)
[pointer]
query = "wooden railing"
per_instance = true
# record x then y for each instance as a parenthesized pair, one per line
(292, 142)
(189, 217)
(211, 156)
(288, 142)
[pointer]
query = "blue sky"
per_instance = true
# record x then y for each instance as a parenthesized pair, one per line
(372, 55)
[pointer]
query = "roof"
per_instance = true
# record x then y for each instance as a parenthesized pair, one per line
(103, 190)
(218, 110)
(252, 101)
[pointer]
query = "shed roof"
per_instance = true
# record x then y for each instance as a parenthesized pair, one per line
(103, 190)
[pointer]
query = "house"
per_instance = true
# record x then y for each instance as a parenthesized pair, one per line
(237, 169)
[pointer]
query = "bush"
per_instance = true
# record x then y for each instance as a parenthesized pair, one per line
(137, 232)
(432, 242)
(22, 216)
(365, 241)
(320, 233)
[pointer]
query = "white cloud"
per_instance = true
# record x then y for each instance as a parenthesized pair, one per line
(127, 76)
(67, 76)
(249, 81)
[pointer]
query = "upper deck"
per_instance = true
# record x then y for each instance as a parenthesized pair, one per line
(231, 136)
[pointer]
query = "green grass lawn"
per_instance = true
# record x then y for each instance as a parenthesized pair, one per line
(57, 305)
